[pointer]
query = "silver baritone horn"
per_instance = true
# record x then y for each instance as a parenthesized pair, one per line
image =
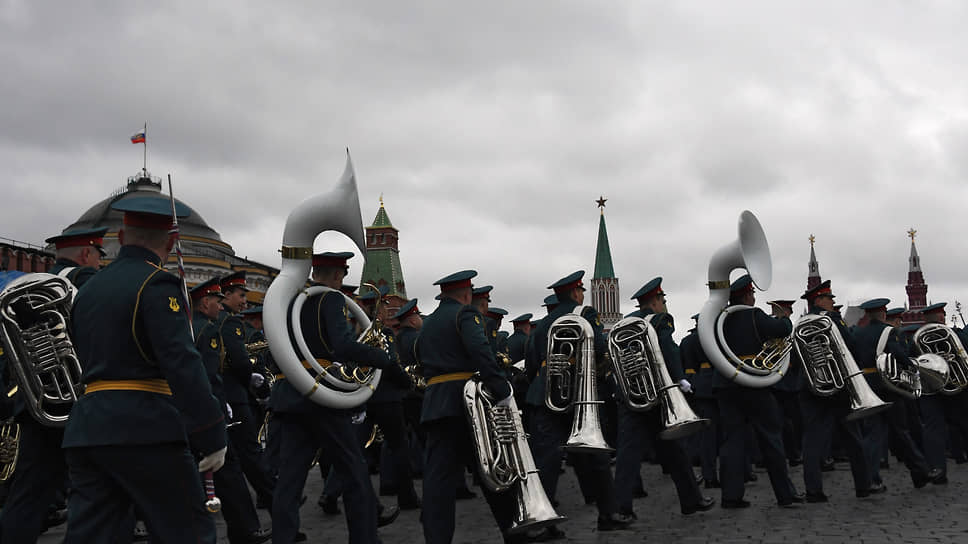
(338, 210)
(505, 458)
(642, 375)
(570, 381)
(938, 339)
(750, 251)
(35, 314)
(830, 368)
(925, 375)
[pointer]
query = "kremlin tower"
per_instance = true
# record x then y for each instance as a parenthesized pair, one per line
(605, 293)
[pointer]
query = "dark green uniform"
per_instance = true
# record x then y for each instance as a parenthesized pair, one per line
(135, 446)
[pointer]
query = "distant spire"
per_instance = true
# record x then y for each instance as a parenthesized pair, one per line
(914, 261)
(603, 253)
(382, 219)
(813, 267)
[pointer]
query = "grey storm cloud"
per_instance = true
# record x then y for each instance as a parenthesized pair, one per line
(490, 129)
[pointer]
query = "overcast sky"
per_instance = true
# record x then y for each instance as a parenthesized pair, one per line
(492, 128)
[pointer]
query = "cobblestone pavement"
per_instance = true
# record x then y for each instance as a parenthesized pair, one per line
(903, 514)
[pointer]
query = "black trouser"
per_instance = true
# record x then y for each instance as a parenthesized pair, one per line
(792, 417)
(634, 430)
(244, 437)
(709, 438)
(549, 431)
(739, 407)
(238, 511)
(161, 480)
(448, 451)
(892, 423)
(300, 435)
(40, 475)
(389, 416)
(822, 417)
(934, 431)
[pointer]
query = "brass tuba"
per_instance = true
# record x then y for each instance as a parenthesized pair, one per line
(337, 210)
(750, 251)
(35, 314)
(504, 457)
(9, 448)
(925, 375)
(570, 381)
(938, 339)
(642, 375)
(831, 368)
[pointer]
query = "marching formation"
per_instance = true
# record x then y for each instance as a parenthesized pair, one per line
(147, 408)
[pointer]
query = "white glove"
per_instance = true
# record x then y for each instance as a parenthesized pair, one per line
(685, 386)
(505, 402)
(256, 380)
(228, 410)
(212, 461)
(358, 417)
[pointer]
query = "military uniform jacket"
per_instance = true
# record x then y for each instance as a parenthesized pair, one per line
(517, 346)
(693, 359)
(78, 276)
(664, 326)
(745, 331)
(209, 345)
(236, 367)
(535, 368)
(329, 336)
(129, 323)
(866, 339)
(388, 390)
(452, 340)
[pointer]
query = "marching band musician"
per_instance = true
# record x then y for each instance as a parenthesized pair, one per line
(41, 469)
(481, 298)
(237, 376)
(241, 518)
(787, 392)
(304, 426)
(147, 393)
(696, 364)
(894, 419)
(745, 331)
(549, 430)
(492, 327)
(935, 409)
(634, 428)
(518, 341)
(452, 346)
(822, 416)
(258, 386)
(409, 324)
(385, 408)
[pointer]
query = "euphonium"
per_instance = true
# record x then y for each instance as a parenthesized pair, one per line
(925, 375)
(750, 251)
(337, 210)
(830, 367)
(9, 448)
(941, 340)
(570, 381)
(643, 377)
(35, 314)
(504, 457)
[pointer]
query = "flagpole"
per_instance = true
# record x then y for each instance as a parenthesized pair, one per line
(144, 167)
(178, 253)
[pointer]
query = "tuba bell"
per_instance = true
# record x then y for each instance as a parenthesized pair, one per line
(337, 210)
(505, 459)
(831, 368)
(642, 376)
(938, 339)
(750, 251)
(570, 381)
(35, 314)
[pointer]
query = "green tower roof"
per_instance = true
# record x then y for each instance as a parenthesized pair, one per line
(603, 254)
(382, 219)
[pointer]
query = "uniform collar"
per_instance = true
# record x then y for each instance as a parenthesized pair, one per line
(138, 252)
(67, 262)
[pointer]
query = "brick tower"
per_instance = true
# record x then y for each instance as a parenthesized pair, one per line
(813, 267)
(917, 290)
(382, 265)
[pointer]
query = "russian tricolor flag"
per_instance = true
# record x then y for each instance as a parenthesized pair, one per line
(139, 137)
